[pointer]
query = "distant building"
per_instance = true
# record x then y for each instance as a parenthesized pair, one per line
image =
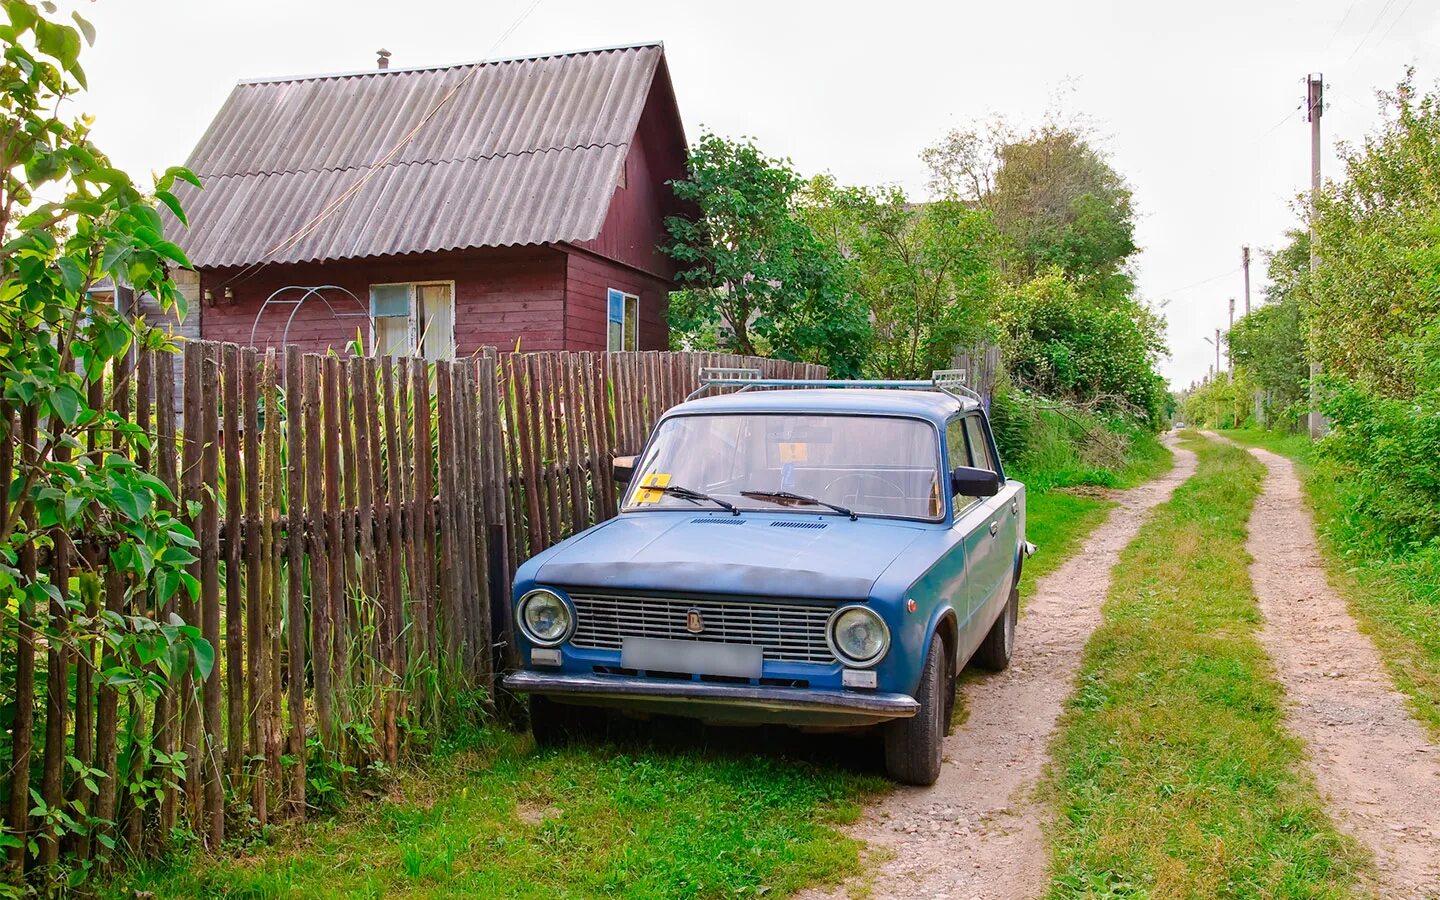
(507, 203)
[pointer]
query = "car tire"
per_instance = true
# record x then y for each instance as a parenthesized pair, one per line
(557, 724)
(999, 645)
(913, 746)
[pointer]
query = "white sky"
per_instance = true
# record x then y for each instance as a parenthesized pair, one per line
(1199, 104)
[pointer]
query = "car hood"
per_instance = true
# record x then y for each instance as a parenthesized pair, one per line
(815, 557)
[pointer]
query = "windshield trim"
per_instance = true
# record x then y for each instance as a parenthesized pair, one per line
(644, 457)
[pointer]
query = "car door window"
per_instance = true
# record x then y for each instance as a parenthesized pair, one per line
(959, 450)
(980, 456)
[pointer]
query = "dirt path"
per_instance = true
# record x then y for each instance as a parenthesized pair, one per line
(1372, 761)
(977, 832)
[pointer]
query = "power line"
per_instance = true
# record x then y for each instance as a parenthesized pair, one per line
(1226, 274)
(1383, 10)
(1403, 10)
(1343, 19)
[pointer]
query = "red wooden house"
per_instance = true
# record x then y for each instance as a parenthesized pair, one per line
(508, 203)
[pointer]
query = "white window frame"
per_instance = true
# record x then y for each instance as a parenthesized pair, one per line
(413, 286)
(626, 297)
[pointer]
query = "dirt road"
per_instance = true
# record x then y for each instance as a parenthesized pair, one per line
(977, 832)
(1372, 761)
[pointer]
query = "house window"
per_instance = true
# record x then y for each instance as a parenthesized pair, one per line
(413, 319)
(622, 321)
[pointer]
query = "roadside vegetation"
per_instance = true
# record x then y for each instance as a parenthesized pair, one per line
(1172, 771)
(1368, 313)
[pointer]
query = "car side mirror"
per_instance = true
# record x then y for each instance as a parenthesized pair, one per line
(623, 468)
(970, 482)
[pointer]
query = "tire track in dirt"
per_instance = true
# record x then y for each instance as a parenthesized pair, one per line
(978, 831)
(1372, 761)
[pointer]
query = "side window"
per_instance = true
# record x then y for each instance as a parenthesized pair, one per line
(979, 448)
(959, 451)
(622, 319)
(413, 319)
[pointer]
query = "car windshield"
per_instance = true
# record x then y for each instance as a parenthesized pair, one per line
(871, 465)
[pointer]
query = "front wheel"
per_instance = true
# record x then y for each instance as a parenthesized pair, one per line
(913, 745)
(998, 647)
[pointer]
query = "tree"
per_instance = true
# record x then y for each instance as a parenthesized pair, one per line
(1090, 353)
(1269, 342)
(925, 270)
(1055, 199)
(757, 278)
(69, 220)
(1378, 282)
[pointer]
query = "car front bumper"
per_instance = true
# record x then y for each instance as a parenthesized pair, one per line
(723, 703)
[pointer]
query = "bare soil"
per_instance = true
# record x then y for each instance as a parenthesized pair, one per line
(978, 831)
(1372, 761)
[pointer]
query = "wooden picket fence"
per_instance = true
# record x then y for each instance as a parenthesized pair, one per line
(359, 521)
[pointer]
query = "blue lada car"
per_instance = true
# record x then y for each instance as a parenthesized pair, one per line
(821, 554)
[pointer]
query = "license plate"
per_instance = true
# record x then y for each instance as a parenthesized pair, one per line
(693, 657)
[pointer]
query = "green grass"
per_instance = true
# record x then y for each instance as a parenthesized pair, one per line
(1058, 519)
(502, 820)
(1172, 772)
(1394, 594)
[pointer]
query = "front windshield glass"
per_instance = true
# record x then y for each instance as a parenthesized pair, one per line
(872, 465)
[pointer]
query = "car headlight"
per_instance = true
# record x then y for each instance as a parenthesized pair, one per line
(545, 618)
(858, 636)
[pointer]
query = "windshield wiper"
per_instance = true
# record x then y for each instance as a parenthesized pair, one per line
(685, 493)
(786, 496)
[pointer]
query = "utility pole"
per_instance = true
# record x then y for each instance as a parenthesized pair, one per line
(1245, 264)
(1315, 107)
(1230, 357)
(1218, 370)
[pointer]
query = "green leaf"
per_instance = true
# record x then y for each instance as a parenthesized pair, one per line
(71, 275)
(173, 203)
(204, 657)
(85, 28)
(67, 403)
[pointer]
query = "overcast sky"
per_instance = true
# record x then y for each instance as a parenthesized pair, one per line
(1199, 105)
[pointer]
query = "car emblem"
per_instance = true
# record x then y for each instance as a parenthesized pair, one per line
(693, 623)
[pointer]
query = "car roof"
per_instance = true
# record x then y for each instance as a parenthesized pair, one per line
(936, 406)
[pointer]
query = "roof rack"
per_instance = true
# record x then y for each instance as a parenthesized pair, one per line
(947, 381)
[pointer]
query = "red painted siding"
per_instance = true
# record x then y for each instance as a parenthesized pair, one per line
(502, 295)
(635, 223)
(587, 280)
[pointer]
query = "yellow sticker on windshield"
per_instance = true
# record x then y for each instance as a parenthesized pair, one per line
(794, 453)
(644, 493)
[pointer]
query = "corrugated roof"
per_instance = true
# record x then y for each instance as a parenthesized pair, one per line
(527, 151)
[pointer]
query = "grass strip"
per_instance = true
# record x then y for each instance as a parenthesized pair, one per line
(1173, 773)
(501, 820)
(1393, 593)
(1058, 520)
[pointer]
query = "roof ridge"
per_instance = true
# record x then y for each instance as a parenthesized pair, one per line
(594, 145)
(438, 67)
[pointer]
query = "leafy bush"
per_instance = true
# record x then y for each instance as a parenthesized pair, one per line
(1391, 447)
(1049, 445)
(1092, 351)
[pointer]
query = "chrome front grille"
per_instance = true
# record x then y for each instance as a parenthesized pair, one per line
(792, 632)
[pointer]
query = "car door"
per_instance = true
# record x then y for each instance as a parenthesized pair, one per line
(986, 543)
(972, 521)
(1004, 508)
